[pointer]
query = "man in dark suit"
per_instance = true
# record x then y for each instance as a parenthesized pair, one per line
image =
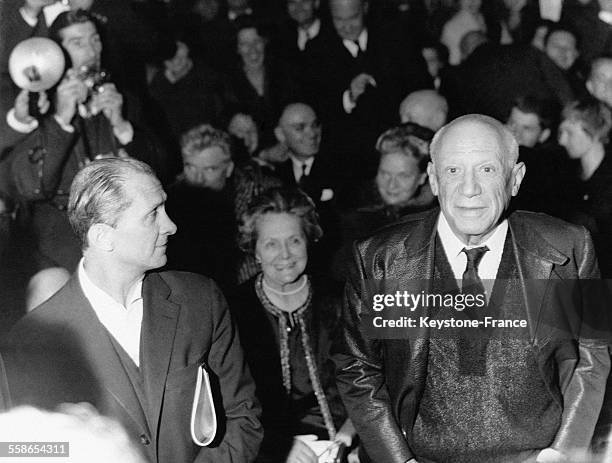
(422, 393)
(299, 133)
(134, 341)
(356, 77)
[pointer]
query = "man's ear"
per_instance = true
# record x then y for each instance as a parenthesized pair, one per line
(544, 135)
(365, 7)
(433, 180)
(316, 4)
(100, 236)
(518, 173)
(279, 134)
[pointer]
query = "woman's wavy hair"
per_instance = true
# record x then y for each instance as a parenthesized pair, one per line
(279, 200)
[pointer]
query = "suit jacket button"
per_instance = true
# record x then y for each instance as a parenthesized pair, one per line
(144, 440)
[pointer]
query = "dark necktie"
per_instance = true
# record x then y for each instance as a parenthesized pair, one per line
(472, 344)
(304, 175)
(471, 282)
(359, 55)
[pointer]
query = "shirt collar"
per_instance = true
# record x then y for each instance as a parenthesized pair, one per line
(312, 30)
(99, 298)
(362, 40)
(298, 162)
(453, 245)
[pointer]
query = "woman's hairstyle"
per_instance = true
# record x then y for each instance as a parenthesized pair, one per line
(278, 201)
(593, 115)
(405, 139)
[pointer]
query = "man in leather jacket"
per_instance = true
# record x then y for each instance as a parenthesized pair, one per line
(429, 392)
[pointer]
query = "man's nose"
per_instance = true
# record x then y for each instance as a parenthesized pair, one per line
(168, 226)
(469, 185)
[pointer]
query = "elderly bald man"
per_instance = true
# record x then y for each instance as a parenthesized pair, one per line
(424, 107)
(453, 389)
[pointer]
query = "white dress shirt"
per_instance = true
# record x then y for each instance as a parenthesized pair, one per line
(488, 266)
(352, 47)
(304, 35)
(50, 12)
(123, 323)
(298, 170)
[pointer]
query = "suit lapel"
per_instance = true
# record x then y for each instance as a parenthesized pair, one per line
(535, 259)
(101, 355)
(159, 322)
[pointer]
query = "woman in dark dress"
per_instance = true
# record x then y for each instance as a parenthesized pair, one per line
(287, 321)
(261, 84)
(584, 133)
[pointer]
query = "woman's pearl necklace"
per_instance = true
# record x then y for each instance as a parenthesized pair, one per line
(286, 293)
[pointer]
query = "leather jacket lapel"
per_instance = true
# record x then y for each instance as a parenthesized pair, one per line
(535, 259)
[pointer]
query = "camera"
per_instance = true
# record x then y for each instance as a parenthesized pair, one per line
(94, 79)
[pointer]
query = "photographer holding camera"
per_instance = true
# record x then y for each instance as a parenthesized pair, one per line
(82, 119)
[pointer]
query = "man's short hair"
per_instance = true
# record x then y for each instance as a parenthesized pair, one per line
(97, 193)
(593, 115)
(562, 27)
(547, 110)
(202, 137)
(69, 18)
(508, 141)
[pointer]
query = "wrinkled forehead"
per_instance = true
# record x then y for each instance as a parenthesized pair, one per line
(298, 114)
(78, 30)
(472, 139)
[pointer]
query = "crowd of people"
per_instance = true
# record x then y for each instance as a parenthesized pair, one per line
(259, 140)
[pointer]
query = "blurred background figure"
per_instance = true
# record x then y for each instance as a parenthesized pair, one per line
(87, 436)
(468, 18)
(426, 108)
(262, 84)
(206, 201)
(584, 133)
(399, 188)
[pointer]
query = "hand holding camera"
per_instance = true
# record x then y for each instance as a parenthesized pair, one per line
(110, 102)
(70, 92)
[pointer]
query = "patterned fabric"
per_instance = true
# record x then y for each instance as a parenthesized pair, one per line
(297, 317)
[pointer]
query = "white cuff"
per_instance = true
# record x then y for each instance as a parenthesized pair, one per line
(28, 19)
(125, 135)
(65, 127)
(347, 104)
(18, 126)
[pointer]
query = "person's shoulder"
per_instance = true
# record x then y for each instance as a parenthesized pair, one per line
(55, 312)
(552, 229)
(185, 286)
(397, 233)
